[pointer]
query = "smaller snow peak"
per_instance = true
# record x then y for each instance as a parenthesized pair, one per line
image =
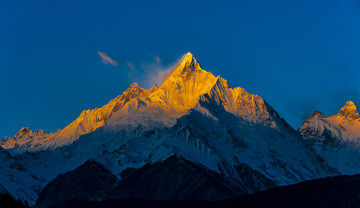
(84, 112)
(134, 88)
(134, 85)
(40, 132)
(24, 129)
(318, 114)
(155, 87)
(223, 81)
(133, 91)
(349, 111)
(350, 104)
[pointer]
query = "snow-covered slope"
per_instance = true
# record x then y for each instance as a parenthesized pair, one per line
(336, 138)
(192, 114)
(17, 180)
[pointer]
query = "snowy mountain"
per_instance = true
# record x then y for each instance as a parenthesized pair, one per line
(336, 138)
(193, 114)
(343, 127)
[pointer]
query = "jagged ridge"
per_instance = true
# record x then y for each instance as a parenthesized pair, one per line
(159, 106)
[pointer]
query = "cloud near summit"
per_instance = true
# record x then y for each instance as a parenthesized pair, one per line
(106, 59)
(151, 73)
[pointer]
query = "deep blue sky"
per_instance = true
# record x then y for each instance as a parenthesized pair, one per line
(300, 55)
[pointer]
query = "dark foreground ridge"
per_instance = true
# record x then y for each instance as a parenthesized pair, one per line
(174, 179)
(8, 201)
(340, 191)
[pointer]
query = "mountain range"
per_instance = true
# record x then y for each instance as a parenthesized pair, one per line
(192, 138)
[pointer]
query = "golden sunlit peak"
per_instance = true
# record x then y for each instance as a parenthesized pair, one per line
(350, 104)
(189, 57)
(189, 54)
(134, 87)
(349, 110)
(318, 114)
(223, 81)
(134, 84)
(155, 86)
(188, 63)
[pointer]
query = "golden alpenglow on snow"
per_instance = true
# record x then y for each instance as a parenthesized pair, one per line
(186, 86)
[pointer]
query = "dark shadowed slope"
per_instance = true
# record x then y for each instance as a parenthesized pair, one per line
(173, 179)
(340, 191)
(89, 181)
(8, 201)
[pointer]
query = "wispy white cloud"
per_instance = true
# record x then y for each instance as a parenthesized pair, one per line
(157, 59)
(106, 59)
(152, 72)
(130, 65)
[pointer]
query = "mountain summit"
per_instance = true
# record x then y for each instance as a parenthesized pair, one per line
(188, 63)
(349, 111)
